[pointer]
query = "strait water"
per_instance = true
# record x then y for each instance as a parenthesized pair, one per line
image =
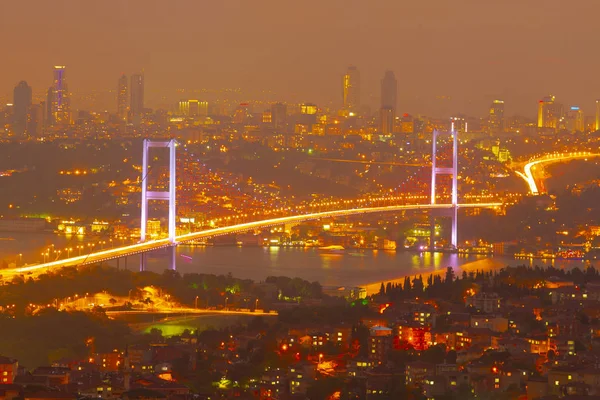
(349, 268)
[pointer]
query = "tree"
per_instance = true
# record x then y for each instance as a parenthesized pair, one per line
(382, 290)
(449, 275)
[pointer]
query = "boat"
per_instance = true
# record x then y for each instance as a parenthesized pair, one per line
(333, 249)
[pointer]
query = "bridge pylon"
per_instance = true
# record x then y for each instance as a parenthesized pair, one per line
(168, 195)
(435, 171)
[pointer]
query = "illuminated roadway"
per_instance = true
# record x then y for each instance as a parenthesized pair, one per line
(138, 248)
(527, 175)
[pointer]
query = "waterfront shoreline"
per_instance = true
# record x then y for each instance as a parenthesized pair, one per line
(486, 264)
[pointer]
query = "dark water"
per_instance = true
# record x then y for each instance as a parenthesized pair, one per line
(349, 268)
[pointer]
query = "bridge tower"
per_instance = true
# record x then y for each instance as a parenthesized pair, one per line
(162, 195)
(435, 170)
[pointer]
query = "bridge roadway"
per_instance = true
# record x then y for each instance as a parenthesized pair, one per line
(527, 175)
(138, 248)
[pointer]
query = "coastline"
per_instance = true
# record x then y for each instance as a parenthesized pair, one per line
(486, 264)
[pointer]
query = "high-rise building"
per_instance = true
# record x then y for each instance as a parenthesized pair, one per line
(21, 105)
(387, 118)
(278, 116)
(35, 120)
(123, 98)
(549, 113)
(61, 102)
(389, 91)
(137, 95)
(598, 115)
(49, 103)
(496, 118)
(351, 89)
(575, 121)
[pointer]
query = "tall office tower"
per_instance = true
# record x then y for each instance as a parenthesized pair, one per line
(387, 117)
(575, 121)
(549, 113)
(203, 109)
(278, 116)
(389, 93)
(122, 98)
(351, 89)
(21, 105)
(137, 95)
(35, 120)
(61, 103)
(598, 115)
(496, 118)
(49, 102)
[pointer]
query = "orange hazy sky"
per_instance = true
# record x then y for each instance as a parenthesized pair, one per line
(470, 50)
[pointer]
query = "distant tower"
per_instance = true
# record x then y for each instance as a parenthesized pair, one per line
(496, 118)
(49, 102)
(278, 116)
(575, 119)
(122, 98)
(137, 95)
(389, 93)
(549, 112)
(351, 89)
(22, 104)
(61, 102)
(598, 115)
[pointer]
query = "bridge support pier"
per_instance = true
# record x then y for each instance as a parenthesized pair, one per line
(173, 258)
(143, 259)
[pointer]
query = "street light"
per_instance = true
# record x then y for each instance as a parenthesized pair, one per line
(226, 299)
(196, 302)
(20, 258)
(256, 305)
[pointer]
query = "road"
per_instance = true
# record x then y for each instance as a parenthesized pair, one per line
(138, 248)
(186, 310)
(528, 173)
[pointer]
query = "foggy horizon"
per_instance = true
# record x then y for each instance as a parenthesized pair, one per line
(469, 51)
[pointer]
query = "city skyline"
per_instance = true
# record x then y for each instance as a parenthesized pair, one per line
(515, 68)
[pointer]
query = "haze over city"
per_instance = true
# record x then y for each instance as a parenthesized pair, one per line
(468, 51)
(300, 200)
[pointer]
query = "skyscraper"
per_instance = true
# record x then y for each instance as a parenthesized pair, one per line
(351, 89)
(22, 104)
(278, 116)
(496, 118)
(49, 103)
(549, 113)
(61, 104)
(122, 98)
(598, 115)
(575, 121)
(137, 95)
(389, 93)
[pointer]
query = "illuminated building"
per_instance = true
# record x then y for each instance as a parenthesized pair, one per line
(49, 99)
(575, 120)
(8, 370)
(122, 98)
(598, 115)
(351, 89)
(380, 344)
(308, 109)
(61, 103)
(137, 96)
(549, 113)
(389, 94)
(153, 228)
(21, 104)
(35, 119)
(278, 116)
(386, 116)
(496, 118)
(203, 108)
(190, 108)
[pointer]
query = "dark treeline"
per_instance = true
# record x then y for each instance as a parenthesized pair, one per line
(517, 281)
